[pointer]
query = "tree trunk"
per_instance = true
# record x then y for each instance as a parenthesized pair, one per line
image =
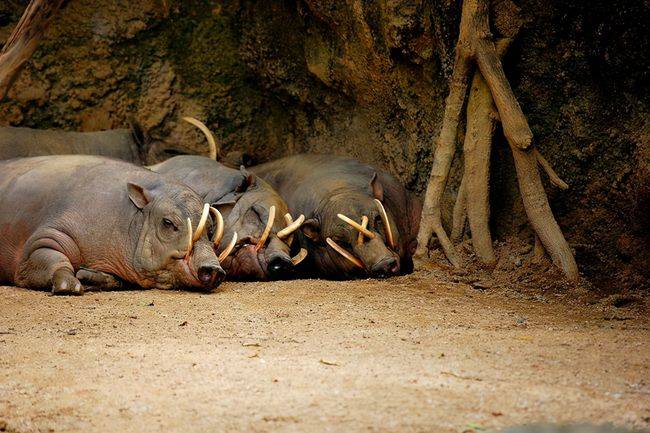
(24, 39)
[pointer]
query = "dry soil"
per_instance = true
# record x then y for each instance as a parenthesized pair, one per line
(414, 353)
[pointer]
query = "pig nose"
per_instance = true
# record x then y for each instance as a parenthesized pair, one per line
(280, 267)
(385, 268)
(211, 275)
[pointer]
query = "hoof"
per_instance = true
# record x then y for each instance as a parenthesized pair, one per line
(64, 283)
(98, 280)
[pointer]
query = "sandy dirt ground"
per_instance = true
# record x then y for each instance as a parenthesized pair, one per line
(416, 354)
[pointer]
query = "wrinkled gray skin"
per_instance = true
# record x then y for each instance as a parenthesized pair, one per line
(132, 145)
(66, 218)
(320, 187)
(117, 143)
(244, 200)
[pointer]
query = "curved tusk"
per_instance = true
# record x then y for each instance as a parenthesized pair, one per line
(367, 233)
(189, 239)
(364, 224)
(292, 227)
(299, 257)
(225, 253)
(218, 233)
(267, 229)
(345, 253)
(384, 218)
(289, 220)
(204, 129)
(202, 221)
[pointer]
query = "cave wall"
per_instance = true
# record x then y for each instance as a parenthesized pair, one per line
(368, 79)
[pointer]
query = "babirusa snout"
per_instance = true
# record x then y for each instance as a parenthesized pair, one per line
(206, 266)
(211, 275)
(386, 267)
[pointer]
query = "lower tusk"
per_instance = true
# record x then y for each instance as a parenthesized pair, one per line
(204, 129)
(202, 221)
(367, 233)
(345, 253)
(292, 227)
(189, 239)
(384, 218)
(225, 253)
(364, 224)
(218, 233)
(299, 257)
(267, 229)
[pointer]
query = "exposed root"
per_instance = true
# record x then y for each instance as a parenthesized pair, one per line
(481, 121)
(538, 252)
(431, 221)
(540, 214)
(476, 46)
(459, 220)
(552, 175)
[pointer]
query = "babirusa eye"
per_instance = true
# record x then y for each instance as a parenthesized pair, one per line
(169, 224)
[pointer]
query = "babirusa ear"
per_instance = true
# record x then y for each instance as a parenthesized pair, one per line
(248, 181)
(376, 188)
(137, 133)
(138, 194)
(311, 229)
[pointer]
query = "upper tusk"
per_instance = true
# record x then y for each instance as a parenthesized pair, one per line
(384, 218)
(364, 224)
(189, 239)
(202, 221)
(292, 227)
(218, 233)
(348, 255)
(225, 253)
(267, 229)
(211, 142)
(367, 233)
(299, 257)
(288, 219)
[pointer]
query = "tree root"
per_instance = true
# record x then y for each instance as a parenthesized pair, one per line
(540, 214)
(482, 116)
(459, 220)
(24, 39)
(538, 251)
(475, 46)
(552, 175)
(431, 221)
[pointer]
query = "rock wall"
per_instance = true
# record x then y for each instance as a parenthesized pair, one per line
(368, 79)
